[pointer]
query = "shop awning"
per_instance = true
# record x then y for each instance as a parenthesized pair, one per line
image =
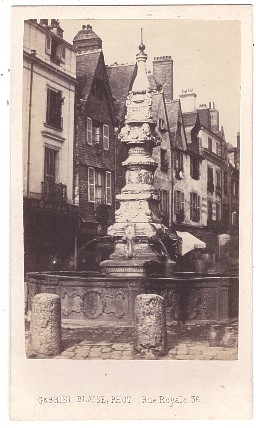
(188, 242)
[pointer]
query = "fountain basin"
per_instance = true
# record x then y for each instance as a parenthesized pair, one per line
(93, 299)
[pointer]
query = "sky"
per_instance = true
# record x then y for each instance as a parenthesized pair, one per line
(206, 56)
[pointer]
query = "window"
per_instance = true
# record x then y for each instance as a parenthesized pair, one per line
(91, 185)
(54, 107)
(89, 131)
(179, 206)
(235, 188)
(55, 48)
(209, 209)
(96, 134)
(194, 167)
(210, 144)
(108, 188)
(48, 43)
(225, 183)
(99, 188)
(105, 137)
(194, 207)
(225, 214)
(210, 184)
(50, 189)
(50, 156)
(178, 164)
(164, 201)
(164, 160)
(218, 213)
(161, 126)
(218, 149)
(218, 183)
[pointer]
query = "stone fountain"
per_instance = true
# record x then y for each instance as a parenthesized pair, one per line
(138, 219)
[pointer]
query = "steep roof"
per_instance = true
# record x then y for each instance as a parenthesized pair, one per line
(86, 65)
(174, 114)
(121, 77)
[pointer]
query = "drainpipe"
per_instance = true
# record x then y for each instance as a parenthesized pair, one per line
(32, 55)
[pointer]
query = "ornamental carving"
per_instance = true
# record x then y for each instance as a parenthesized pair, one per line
(94, 303)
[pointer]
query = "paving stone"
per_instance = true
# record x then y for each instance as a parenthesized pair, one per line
(106, 355)
(118, 347)
(72, 348)
(115, 355)
(67, 353)
(83, 352)
(106, 349)
(94, 353)
(127, 355)
(104, 343)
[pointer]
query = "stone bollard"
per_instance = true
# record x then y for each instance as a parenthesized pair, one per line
(150, 326)
(45, 325)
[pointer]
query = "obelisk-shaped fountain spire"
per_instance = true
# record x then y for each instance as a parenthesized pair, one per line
(138, 219)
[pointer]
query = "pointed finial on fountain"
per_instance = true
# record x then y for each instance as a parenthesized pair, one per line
(141, 46)
(141, 83)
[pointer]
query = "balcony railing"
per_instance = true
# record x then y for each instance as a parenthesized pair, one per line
(54, 192)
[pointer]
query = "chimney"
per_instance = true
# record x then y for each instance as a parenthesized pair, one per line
(214, 118)
(163, 74)
(188, 101)
(204, 116)
(87, 40)
(55, 27)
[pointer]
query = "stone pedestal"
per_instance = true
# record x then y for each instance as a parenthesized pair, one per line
(45, 325)
(150, 326)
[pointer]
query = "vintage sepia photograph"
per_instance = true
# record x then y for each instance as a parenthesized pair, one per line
(131, 189)
(131, 229)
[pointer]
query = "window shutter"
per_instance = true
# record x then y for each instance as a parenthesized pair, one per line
(198, 208)
(182, 201)
(58, 109)
(48, 44)
(191, 206)
(48, 109)
(108, 188)
(89, 131)
(106, 137)
(181, 161)
(91, 184)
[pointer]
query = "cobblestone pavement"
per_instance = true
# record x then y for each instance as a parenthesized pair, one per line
(124, 351)
(183, 343)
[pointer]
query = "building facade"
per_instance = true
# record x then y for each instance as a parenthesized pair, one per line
(95, 149)
(49, 82)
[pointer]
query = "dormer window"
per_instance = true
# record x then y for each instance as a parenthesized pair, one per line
(55, 48)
